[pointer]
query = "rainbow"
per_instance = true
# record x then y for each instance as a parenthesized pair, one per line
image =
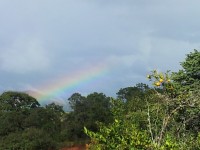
(70, 81)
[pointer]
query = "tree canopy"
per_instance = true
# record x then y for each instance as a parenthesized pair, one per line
(17, 101)
(188, 78)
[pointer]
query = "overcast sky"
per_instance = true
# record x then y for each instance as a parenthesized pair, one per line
(44, 40)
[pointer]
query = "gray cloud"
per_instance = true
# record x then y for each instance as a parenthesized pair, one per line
(24, 55)
(39, 40)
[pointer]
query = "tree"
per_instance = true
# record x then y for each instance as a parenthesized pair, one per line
(21, 116)
(75, 100)
(14, 109)
(172, 113)
(188, 78)
(187, 82)
(99, 108)
(11, 122)
(57, 109)
(44, 119)
(129, 93)
(10, 101)
(177, 108)
(30, 138)
(86, 112)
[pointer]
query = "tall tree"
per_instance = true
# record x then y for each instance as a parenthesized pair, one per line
(10, 101)
(188, 78)
(86, 112)
(22, 116)
(129, 93)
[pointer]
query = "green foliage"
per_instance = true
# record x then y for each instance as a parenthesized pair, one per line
(129, 93)
(25, 125)
(11, 122)
(188, 78)
(57, 109)
(175, 112)
(169, 143)
(119, 135)
(162, 114)
(76, 101)
(44, 119)
(86, 112)
(29, 139)
(17, 101)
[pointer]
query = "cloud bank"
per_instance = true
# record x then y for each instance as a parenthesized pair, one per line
(40, 41)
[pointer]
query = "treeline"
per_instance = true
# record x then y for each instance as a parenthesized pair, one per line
(163, 116)
(24, 124)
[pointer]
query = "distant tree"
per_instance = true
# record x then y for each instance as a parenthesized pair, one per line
(26, 125)
(44, 119)
(86, 112)
(76, 101)
(54, 107)
(10, 101)
(188, 78)
(129, 93)
(57, 109)
(99, 108)
(134, 97)
(14, 109)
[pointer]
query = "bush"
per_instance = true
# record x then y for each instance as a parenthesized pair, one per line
(31, 139)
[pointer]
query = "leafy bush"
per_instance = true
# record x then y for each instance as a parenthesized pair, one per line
(31, 139)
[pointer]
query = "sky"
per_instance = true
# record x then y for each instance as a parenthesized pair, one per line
(53, 49)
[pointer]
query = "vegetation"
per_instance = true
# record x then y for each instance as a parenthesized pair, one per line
(165, 116)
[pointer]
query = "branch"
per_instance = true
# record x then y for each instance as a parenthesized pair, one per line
(149, 120)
